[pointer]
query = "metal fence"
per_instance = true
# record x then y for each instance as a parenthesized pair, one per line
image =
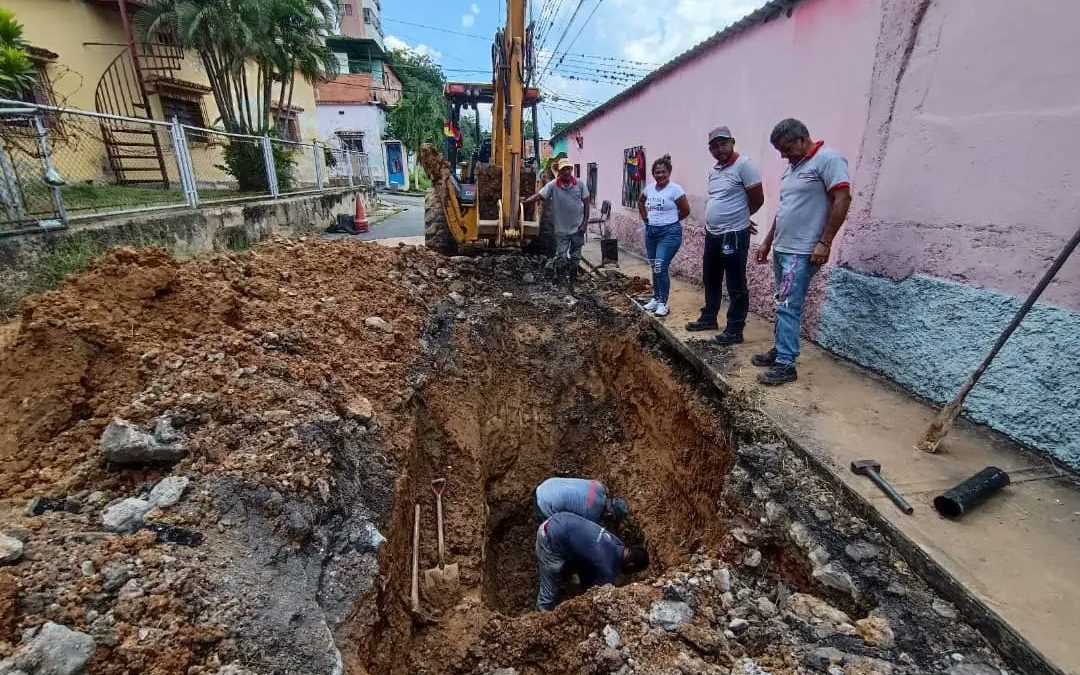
(62, 165)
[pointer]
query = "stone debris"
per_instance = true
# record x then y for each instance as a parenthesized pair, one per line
(125, 443)
(612, 637)
(836, 578)
(54, 650)
(747, 666)
(752, 558)
(377, 323)
(876, 631)
(944, 609)
(823, 657)
(168, 491)
(861, 550)
(457, 298)
(125, 516)
(11, 550)
(669, 614)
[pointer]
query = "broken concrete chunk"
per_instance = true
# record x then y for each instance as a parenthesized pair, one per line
(126, 516)
(379, 324)
(668, 614)
(823, 657)
(810, 607)
(125, 443)
(612, 637)
(168, 491)
(752, 558)
(723, 579)
(766, 608)
(55, 650)
(861, 550)
(738, 626)
(11, 550)
(834, 576)
(164, 432)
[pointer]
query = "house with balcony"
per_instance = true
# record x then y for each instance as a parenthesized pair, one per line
(89, 56)
(351, 109)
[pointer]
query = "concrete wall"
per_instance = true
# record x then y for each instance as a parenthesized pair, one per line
(369, 119)
(960, 119)
(30, 263)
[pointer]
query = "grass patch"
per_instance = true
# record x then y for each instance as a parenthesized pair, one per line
(68, 257)
(91, 197)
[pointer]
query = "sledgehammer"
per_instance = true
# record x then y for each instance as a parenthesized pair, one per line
(872, 470)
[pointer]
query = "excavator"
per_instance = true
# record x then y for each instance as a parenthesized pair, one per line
(475, 202)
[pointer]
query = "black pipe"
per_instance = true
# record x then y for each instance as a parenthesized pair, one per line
(962, 498)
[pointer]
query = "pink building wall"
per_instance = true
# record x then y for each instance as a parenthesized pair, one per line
(815, 65)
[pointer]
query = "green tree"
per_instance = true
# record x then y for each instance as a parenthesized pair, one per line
(420, 115)
(16, 70)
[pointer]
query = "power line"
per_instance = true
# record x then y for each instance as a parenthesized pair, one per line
(562, 37)
(587, 19)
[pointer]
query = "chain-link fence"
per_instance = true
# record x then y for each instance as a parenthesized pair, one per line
(63, 165)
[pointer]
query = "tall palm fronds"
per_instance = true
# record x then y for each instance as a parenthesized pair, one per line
(16, 70)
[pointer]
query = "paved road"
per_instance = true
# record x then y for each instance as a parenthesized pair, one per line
(408, 223)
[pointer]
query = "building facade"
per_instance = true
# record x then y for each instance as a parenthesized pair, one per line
(351, 109)
(81, 49)
(963, 186)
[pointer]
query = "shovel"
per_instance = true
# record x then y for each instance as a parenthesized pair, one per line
(444, 578)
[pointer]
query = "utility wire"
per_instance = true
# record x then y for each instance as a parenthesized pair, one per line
(562, 36)
(587, 19)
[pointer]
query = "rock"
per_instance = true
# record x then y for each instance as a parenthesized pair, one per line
(360, 408)
(444, 273)
(747, 666)
(114, 576)
(823, 657)
(752, 558)
(164, 431)
(168, 491)
(234, 669)
(834, 576)
(944, 609)
(861, 551)
(972, 669)
(55, 650)
(876, 630)
(126, 516)
(822, 515)
(125, 443)
(508, 295)
(40, 504)
(612, 637)
(810, 607)
(819, 556)
(766, 608)
(96, 497)
(87, 568)
(11, 550)
(774, 512)
(457, 298)
(379, 324)
(738, 626)
(723, 579)
(670, 613)
(800, 534)
(528, 278)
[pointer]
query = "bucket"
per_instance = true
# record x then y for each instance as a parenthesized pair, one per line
(609, 251)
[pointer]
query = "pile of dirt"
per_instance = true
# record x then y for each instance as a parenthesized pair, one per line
(211, 467)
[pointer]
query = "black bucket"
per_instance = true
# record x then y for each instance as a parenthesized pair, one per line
(962, 498)
(609, 251)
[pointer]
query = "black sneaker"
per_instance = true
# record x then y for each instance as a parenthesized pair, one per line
(727, 338)
(702, 324)
(780, 373)
(766, 360)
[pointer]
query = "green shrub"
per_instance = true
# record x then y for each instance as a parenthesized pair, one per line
(244, 162)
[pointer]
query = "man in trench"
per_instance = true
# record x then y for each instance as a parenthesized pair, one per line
(568, 199)
(597, 555)
(586, 497)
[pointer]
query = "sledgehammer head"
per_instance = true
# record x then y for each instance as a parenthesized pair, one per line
(865, 466)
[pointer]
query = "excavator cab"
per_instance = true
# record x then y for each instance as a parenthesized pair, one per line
(475, 202)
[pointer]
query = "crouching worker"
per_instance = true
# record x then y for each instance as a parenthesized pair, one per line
(594, 553)
(587, 498)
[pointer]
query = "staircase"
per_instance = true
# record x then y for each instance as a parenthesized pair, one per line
(134, 150)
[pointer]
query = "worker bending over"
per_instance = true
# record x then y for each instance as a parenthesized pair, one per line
(585, 497)
(594, 553)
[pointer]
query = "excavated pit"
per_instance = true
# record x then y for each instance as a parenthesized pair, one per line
(516, 402)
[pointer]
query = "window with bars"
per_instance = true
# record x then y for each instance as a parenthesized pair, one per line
(633, 175)
(40, 91)
(348, 9)
(352, 141)
(188, 112)
(590, 179)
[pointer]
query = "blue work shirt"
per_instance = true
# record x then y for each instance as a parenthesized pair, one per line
(595, 553)
(587, 498)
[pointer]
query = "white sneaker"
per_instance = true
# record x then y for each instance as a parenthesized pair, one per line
(661, 309)
(651, 305)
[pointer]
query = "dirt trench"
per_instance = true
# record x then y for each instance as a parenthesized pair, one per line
(518, 401)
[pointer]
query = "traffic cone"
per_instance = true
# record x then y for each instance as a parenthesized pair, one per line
(360, 220)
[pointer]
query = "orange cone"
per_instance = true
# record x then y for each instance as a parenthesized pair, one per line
(360, 220)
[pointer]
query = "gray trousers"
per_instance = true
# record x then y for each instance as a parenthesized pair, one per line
(568, 249)
(551, 569)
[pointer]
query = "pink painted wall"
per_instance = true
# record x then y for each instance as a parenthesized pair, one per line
(815, 65)
(975, 180)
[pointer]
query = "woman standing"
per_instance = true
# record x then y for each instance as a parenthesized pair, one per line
(663, 205)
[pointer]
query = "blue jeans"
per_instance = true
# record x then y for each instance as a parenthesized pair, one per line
(662, 242)
(793, 272)
(551, 569)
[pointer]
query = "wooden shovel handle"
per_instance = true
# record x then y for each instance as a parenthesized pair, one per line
(416, 561)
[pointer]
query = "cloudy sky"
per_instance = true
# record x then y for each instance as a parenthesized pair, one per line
(608, 45)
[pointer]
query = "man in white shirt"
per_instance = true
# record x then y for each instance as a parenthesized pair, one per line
(735, 193)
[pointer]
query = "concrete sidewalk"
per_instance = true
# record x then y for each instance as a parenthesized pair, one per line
(1012, 565)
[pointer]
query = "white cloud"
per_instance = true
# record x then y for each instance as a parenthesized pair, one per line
(657, 37)
(475, 8)
(467, 20)
(394, 42)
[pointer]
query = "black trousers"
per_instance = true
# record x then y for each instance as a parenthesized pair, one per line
(725, 257)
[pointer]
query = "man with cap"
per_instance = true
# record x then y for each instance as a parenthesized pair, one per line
(598, 556)
(815, 193)
(583, 496)
(568, 199)
(735, 193)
